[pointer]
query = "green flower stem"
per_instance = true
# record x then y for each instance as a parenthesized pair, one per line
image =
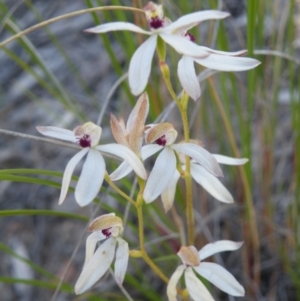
(65, 16)
(119, 191)
(250, 213)
(153, 266)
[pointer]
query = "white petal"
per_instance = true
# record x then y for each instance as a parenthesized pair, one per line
(124, 168)
(235, 53)
(201, 156)
(188, 77)
(114, 26)
(161, 175)
(171, 288)
(91, 243)
(227, 63)
(184, 46)
(195, 287)
(229, 160)
(91, 178)
(126, 154)
(121, 263)
(58, 133)
(168, 194)
(221, 278)
(190, 20)
(140, 66)
(122, 171)
(210, 183)
(218, 246)
(97, 266)
(149, 150)
(68, 174)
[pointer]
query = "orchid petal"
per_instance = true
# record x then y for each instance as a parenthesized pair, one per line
(121, 262)
(196, 288)
(227, 53)
(149, 150)
(91, 178)
(68, 174)
(188, 21)
(188, 77)
(91, 243)
(184, 46)
(161, 174)
(97, 266)
(126, 154)
(58, 133)
(201, 156)
(168, 194)
(221, 278)
(136, 123)
(118, 130)
(171, 288)
(115, 26)
(210, 183)
(140, 66)
(227, 63)
(124, 168)
(218, 246)
(229, 160)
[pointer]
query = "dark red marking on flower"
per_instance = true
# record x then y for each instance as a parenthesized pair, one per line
(156, 23)
(84, 141)
(190, 37)
(106, 232)
(161, 140)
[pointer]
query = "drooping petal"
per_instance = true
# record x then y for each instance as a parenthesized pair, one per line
(201, 156)
(91, 178)
(184, 46)
(218, 246)
(227, 63)
(210, 183)
(91, 243)
(161, 175)
(121, 262)
(126, 154)
(171, 288)
(196, 288)
(190, 20)
(124, 168)
(58, 133)
(227, 53)
(114, 26)
(140, 66)
(188, 77)
(68, 174)
(97, 266)
(168, 194)
(149, 150)
(229, 160)
(221, 278)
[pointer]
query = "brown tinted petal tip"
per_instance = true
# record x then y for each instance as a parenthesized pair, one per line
(158, 131)
(104, 222)
(189, 256)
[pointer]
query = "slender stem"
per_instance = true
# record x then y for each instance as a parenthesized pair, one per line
(65, 16)
(250, 214)
(145, 256)
(118, 190)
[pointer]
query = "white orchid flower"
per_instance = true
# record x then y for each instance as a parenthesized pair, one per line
(90, 181)
(132, 134)
(107, 226)
(204, 178)
(163, 136)
(171, 33)
(216, 274)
